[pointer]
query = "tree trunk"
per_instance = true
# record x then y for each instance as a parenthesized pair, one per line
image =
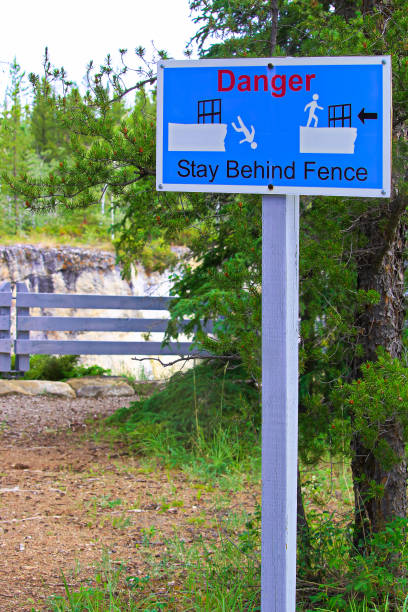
(381, 268)
(345, 8)
(348, 8)
(274, 24)
(302, 527)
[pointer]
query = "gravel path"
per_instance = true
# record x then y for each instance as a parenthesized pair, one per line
(67, 500)
(23, 417)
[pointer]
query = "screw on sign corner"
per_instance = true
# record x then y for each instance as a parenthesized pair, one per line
(270, 187)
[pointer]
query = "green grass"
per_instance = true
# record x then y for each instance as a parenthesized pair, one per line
(202, 577)
(219, 574)
(208, 427)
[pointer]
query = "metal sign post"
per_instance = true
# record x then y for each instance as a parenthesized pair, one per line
(281, 126)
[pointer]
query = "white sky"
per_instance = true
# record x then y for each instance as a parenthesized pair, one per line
(80, 30)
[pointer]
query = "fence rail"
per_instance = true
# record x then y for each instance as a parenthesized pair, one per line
(5, 346)
(50, 323)
(96, 302)
(4, 322)
(5, 295)
(96, 347)
(25, 323)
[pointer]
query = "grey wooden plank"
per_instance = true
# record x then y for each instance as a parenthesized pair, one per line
(4, 322)
(5, 299)
(68, 300)
(22, 357)
(51, 323)
(93, 347)
(279, 401)
(5, 344)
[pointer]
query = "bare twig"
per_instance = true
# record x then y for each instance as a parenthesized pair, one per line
(187, 358)
(32, 518)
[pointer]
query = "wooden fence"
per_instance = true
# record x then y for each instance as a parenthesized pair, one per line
(5, 342)
(25, 323)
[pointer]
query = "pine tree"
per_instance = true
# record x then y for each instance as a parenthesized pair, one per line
(15, 141)
(377, 227)
(49, 137)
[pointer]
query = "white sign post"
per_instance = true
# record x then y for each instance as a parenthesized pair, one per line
(280, 279)
(281, 126)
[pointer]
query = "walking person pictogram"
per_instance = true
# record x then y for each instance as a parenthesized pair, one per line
(312, 106)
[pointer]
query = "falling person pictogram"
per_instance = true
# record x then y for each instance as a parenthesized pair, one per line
(249, 135)
(312, 106)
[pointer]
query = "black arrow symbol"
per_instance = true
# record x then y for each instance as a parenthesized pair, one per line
(362, 115)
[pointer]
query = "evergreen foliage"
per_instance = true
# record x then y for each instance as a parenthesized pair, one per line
(343, 323)
(190, 410)
(382, 391)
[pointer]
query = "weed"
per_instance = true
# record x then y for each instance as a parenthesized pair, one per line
(148, 534)
(121, 522)
(196, 520)
(135, 582)
(3, 427)
(105, 502)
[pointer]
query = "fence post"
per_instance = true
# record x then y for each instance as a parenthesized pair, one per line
(5, 359)
(22, 361)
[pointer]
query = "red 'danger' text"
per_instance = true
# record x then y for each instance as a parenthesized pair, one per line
(279, 84)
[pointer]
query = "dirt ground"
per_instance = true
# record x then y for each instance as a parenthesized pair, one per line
(66, 501)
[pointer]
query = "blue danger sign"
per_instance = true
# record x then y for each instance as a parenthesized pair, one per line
(313, 126)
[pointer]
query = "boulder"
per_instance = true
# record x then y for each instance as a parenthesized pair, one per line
(100, 386)
(36, 387)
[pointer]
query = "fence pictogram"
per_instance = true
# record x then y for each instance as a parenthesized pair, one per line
(340, 115)
(209, 109)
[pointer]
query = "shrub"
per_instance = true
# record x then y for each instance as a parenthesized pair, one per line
(338, 577)
(50, 367)
(199, 399)
(207, 417)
